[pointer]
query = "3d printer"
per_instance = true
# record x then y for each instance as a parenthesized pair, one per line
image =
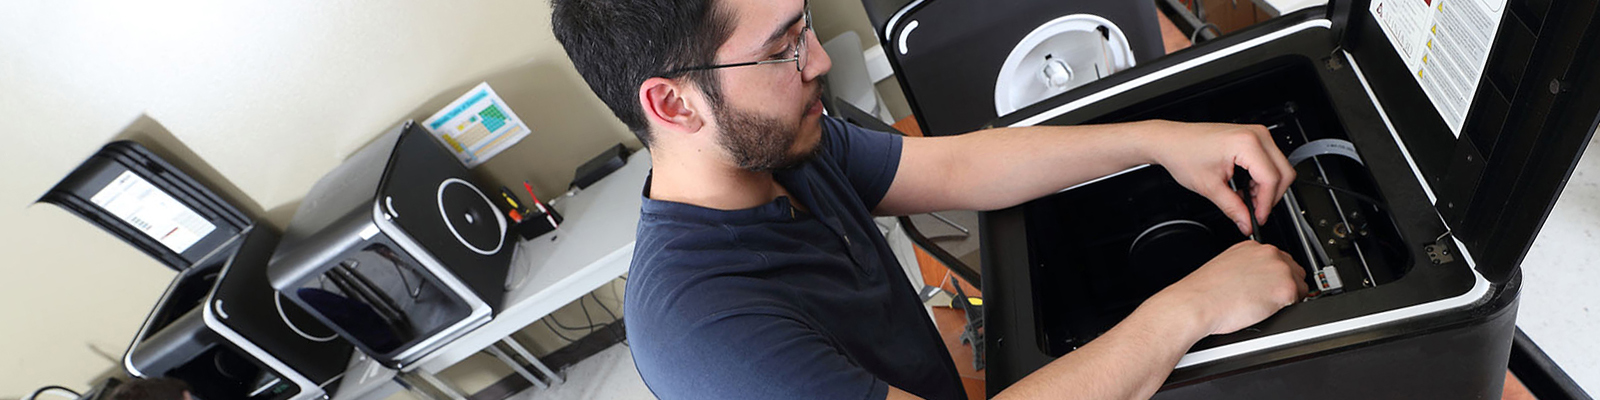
(1412, 217)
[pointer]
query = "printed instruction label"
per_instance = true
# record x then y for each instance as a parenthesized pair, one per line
(1445, 44)
(152, 211)
(477, 126)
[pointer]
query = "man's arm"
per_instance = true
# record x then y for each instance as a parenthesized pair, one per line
(1244, 285)
(999, 168)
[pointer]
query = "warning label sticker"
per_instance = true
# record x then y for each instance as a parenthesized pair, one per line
(1445, 44)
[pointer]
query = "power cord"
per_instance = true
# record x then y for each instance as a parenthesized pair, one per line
(552, 322)
(558, 333)
(614, 292)
(603, 307)
(53, 389)
(1195, 36)
(552, 318)
(586, 316)
(395, 261)
(614, 317)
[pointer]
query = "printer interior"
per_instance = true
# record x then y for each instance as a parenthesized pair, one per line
(1101, 249)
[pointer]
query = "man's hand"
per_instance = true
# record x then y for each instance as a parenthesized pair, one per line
(1240, 287)
(1244, 285)
(1201, 157)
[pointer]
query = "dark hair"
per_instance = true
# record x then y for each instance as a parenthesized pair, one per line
(618, 44)
(150, 389)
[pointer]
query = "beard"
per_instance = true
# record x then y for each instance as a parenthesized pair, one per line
(760, 143)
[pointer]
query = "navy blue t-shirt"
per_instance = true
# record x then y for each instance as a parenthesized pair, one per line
(776, 303)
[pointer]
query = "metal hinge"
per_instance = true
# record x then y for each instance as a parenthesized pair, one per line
(1439, 252)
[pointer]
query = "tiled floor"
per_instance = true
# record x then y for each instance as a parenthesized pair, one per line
(606, 375)
(1560, 307)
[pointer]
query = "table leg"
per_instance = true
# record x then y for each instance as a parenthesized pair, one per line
(450, 391)
(515, 366)
(522, 351)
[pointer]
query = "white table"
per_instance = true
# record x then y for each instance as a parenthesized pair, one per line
(593, 246)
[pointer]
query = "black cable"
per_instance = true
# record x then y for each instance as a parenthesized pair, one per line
(616, 294)
(553, 330)
(586, 316)
(395, 261)
(1195, 36)
(1364, 198)
(552, 318)
(614, 317)
(603, 307)
(549, 319)
(36, 393)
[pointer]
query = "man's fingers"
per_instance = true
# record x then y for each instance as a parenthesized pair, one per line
(1229, 202)
(1286, 170)
(1279, 162)
(1266, 179)
(1264, 198)
(1298, 272)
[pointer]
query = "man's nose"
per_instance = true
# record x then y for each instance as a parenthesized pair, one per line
(818, 63)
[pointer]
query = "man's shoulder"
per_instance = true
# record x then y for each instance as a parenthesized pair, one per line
(690, 266)
(664, 242)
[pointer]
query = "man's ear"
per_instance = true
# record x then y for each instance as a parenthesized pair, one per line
(671, 105)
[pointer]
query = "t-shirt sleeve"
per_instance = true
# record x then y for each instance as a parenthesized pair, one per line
(869, 158)
(751, 355)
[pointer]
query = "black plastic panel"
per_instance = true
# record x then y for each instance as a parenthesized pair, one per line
(76, 191)
(956, 51)
(252, 308)
(415, 180)
(1532, 116)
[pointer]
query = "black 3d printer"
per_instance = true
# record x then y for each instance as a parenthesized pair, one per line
(396, 249)
(219, 326)
(1418, 197)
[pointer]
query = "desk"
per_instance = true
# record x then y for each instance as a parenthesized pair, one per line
(593, 246)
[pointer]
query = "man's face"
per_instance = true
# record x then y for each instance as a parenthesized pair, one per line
(769, 115)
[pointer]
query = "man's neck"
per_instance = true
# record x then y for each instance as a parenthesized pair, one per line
(705, 182)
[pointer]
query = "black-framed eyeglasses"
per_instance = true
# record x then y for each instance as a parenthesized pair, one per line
(798, 57)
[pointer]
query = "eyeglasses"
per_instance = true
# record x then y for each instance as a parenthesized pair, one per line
(798, 57)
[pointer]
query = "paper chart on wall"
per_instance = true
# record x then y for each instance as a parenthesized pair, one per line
(477, 126)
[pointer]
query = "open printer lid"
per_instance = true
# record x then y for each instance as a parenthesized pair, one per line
(129, 191)
(1493, 173)
(1495, 162)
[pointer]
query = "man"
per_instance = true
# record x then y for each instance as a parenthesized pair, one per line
(151, 389)
(758, 273)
